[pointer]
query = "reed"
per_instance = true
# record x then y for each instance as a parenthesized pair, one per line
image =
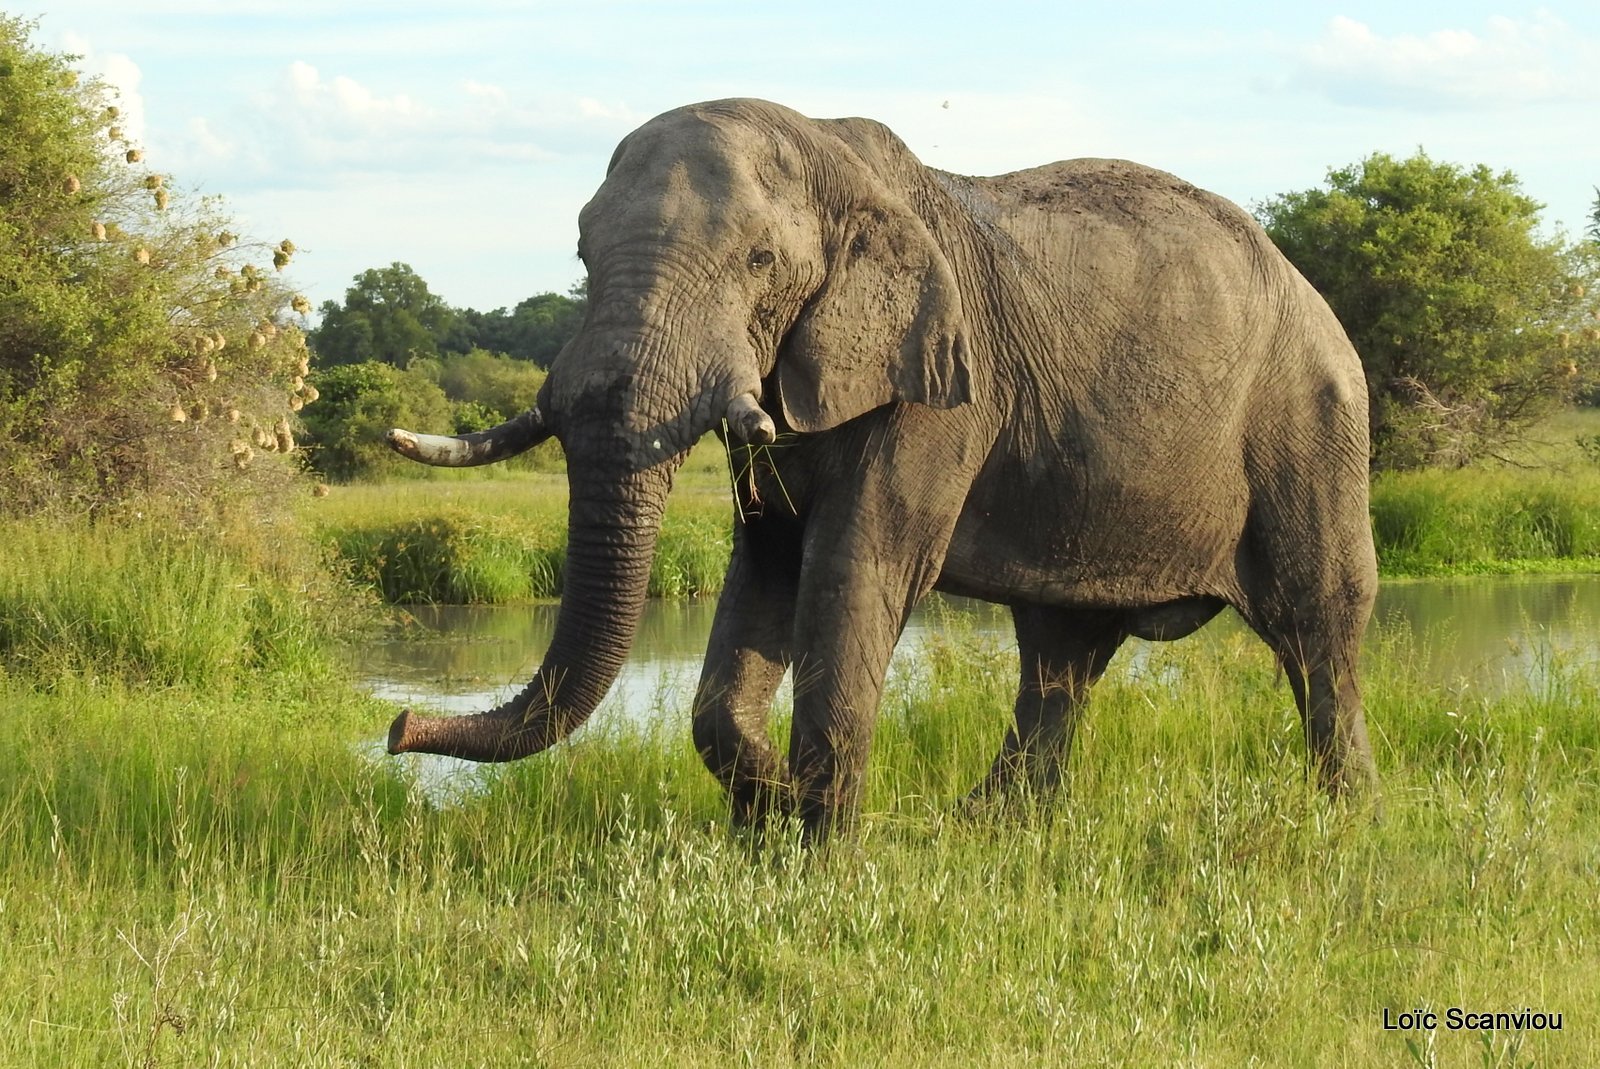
(1436, 523)
(480, 542)
(147, 600)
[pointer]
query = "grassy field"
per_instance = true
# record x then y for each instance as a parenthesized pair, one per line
(503, 539)
(212, 866)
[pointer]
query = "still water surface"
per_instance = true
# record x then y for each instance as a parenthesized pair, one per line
(1484, 633)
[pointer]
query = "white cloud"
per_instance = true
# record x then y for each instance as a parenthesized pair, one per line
(318, 127)
(346, 107)
(1507, 63)
(121, 75)
(489, 94)
(207, 143)
(590, 108)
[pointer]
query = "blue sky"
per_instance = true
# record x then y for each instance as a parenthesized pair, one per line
(462, 139)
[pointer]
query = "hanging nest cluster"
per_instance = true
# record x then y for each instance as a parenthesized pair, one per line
(248, 378)
(246, 387)
(236, 373)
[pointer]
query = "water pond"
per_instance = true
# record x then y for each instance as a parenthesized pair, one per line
(1484, 633)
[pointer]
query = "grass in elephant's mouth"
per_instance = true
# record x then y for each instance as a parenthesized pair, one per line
(230, 864)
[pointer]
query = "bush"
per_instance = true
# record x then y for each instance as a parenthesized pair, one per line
(1470, 324)
(358, 403)
(144, 349)
(499, 386)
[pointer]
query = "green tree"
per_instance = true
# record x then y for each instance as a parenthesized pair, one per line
(388, 315)
(536, 329)
(500, 386)
(144, 349)
(1470, 324)
(1593, 230)
(541, 325)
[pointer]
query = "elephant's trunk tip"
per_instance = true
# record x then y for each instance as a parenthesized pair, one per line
(749, 423)
(399, 732)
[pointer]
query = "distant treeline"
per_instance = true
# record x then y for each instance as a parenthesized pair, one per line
(390, 316)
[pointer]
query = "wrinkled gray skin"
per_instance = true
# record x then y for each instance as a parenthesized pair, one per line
(1089, 391)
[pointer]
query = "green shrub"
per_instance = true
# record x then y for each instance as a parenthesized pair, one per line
(497, 385)
(359, 403)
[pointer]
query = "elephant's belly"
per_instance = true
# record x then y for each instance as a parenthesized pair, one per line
(1162, 621)
(1166, 569)
(1174, 620)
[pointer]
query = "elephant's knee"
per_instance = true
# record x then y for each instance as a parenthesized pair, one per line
(715, 739)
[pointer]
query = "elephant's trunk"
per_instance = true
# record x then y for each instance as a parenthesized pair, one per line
(612, 527)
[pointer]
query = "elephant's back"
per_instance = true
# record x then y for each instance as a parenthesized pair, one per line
(1118, 192)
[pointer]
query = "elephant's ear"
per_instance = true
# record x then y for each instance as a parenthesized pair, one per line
(886, 326)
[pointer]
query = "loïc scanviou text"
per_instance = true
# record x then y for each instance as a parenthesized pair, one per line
(1457, 1019)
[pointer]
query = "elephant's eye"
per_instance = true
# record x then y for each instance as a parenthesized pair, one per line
(760, 258)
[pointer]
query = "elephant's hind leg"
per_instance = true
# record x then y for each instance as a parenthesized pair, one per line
(1310, 595)
(1328, 694)
(1062, 653)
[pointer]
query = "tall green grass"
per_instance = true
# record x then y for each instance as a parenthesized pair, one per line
(504, 541)
(148, 601)
(1435, 522)
(456, 557)
(241, 882)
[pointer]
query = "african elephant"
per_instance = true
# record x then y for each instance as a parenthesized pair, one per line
(1089, 391)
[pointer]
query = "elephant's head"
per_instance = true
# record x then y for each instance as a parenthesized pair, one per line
(734, 249)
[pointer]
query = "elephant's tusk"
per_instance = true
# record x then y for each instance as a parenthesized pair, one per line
(468, 450)
(749, 423)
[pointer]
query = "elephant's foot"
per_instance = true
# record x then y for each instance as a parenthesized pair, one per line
(756, 803)
(1018, 797)
(1353, 783)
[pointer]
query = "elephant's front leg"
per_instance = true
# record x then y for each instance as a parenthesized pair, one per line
(885, 505)
(746, 657)
(846, 629)
(860, 583)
